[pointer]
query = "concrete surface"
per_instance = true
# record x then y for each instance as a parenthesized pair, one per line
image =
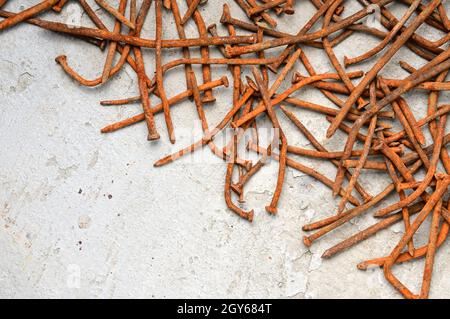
(85, 215)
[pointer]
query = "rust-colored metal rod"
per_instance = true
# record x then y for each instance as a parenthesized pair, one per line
(229, 174)
(310, 69)
(362, 160)
(148, 114)
(368, 232)
(332, 155)
(158, 108)
(186, 52)
(370, 76)
(379, 166)
(334, 87)
(441, 188)
(392, 33)
(444, 17)
(401, 193)
(192, 81)
(26, 14)
(262, 55)
(409, 115)
(116, 13)
(406, 125)
(436, 17)
(411, 157)
(332, 56)
(420, 51)
(303, 38)
(159, 71)
(113, 45)
(266, 6)
(404, 257)
(330, 223)
(432, 46)
(62, 60)
(208, 96)
(124, 51)
(353, 115)
(431, 253)
(264, 15)
(147, 43)
(208, 136)
(44, 23)
(192, 7)
(276, 84)
(282, 96)
(428, 177)
(227, 19)
(171, 65)
(303, 31)
(141, 74)
(429, 86)
(431, 69)
(233, 61)
(264, 91)
(366, 196)
(57, 7)
(441, 111)
(278, 10)
(302, 168)
(92, 15)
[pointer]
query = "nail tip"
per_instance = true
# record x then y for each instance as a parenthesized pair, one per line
(326, 255)
(330, 132)
(346, 61)
(251, 215)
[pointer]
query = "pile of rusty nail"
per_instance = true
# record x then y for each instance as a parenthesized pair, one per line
(361, 112)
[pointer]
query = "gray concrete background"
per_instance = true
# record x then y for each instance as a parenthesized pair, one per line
(85, 215)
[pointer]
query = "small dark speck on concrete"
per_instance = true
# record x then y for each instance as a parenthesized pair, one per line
(80, 191)
(109, 196)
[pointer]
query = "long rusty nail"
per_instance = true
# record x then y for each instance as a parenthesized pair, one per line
(116, 13)
(113, 45)
(158, 108)
(26, 14)
(191, 9)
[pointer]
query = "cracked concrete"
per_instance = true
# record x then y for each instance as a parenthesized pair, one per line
(86, 215)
